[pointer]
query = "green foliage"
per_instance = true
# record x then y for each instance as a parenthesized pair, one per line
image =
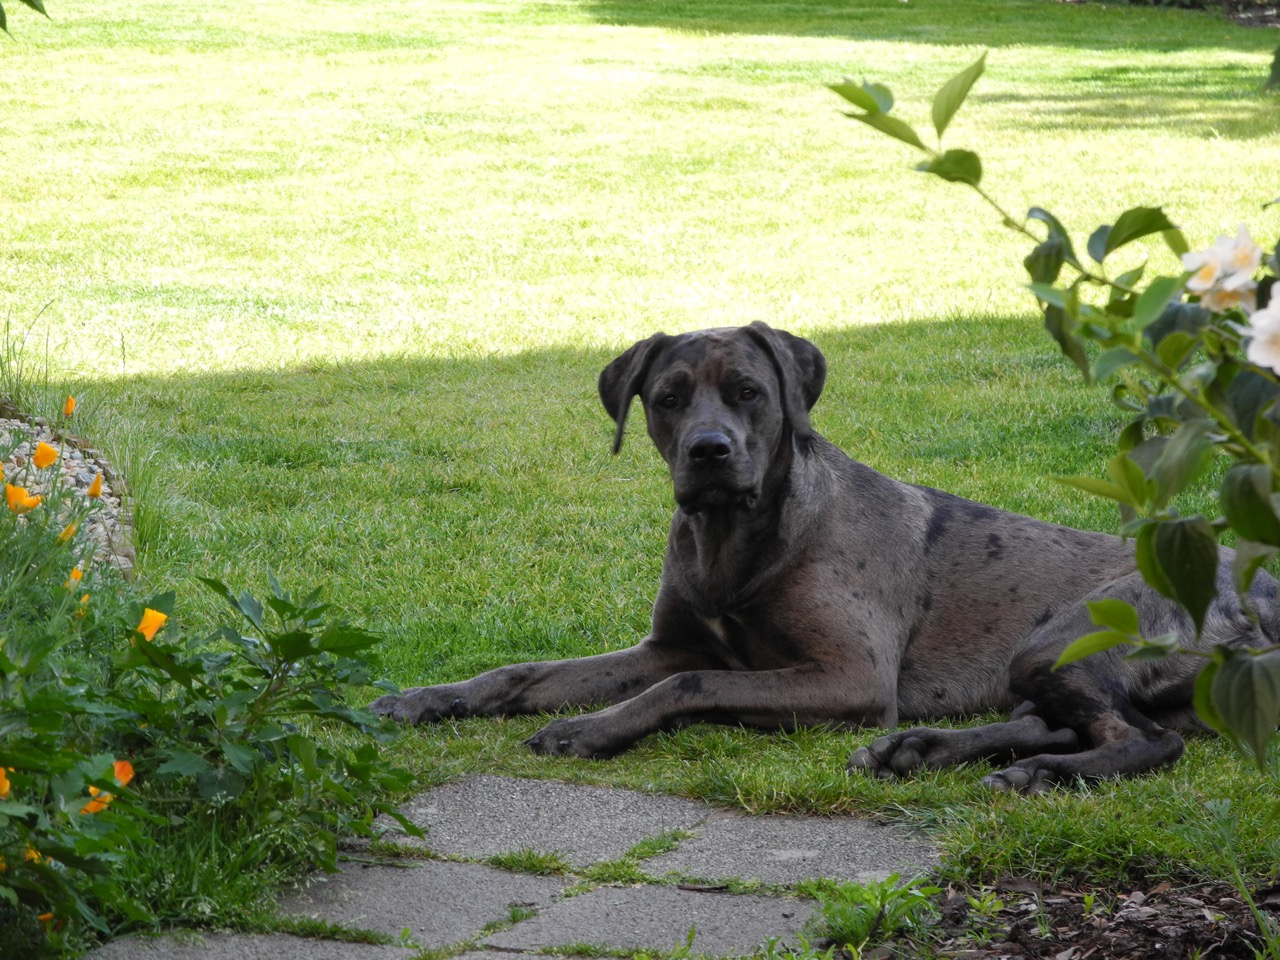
(860, 916)
(108, 716)
(36, 5)
(1193, 357)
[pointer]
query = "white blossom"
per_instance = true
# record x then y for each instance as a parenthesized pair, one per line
(1264, 333)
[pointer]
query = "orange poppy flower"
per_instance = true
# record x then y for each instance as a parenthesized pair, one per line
(123, 772)
(68, 532)
(74, 577)
(69, 407)
(5, 786)
(152, 621)
(45, 455)
(20, 501)
(95, 488)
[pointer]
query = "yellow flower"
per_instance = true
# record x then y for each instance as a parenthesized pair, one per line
(74, 577)
(5, 786)
(68, 532)
(95, 488)
(123, 773)
(20, 501)
(69, 407)
(45, 918)
(44, 456)
(32, 855)
(152, 621)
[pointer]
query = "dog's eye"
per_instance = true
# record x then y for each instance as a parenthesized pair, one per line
(747, 393)
(669, 402)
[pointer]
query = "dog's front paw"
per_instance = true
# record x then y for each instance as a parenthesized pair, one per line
(584, 736)
(421, 705)
(1023, 777)
(896, 755)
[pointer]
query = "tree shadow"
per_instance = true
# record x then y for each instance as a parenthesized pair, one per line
(996, 23)
(471, 507)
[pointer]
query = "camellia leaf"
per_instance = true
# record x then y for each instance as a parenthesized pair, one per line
(1187, 552)
(1246, 693)
(1063, 329)
(1109, 361)
(1097, 245)
(955, 166)
(1056, 229)
(1184, 458)
(1090, 644)
(1115, 614)
(1245, 496)
(1044, 263)
(1153, 301)
(1248, 560)
(871, 97)
(1136, 223)
(953, 93)
(891, 126)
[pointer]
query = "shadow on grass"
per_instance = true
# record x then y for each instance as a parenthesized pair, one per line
(996, 23)
(471, 508)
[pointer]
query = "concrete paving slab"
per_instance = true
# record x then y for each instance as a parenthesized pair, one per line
(236, 946)
(438, 903)
(659, 918)
(787, 849)
(481, 815)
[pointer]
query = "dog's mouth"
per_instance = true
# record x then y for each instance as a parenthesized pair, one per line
(716, 497)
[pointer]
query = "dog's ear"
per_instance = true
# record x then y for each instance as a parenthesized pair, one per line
(622, 379)
(801, 370)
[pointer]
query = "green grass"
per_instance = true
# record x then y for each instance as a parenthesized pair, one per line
(339, 278)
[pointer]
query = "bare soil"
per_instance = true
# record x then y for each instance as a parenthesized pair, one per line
(1065, 924)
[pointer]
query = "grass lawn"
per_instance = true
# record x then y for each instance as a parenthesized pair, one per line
(335, 281)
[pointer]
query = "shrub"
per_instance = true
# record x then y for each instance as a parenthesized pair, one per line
(113, 724)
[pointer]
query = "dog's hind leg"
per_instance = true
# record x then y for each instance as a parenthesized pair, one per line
(903, 752)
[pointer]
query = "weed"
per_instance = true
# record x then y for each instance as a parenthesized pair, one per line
(858, 916)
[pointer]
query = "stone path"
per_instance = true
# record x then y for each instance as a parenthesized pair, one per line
(641, 872)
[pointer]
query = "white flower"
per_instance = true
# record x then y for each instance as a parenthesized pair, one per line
(1240, 258)
(1264, 331)
(1205, 265)
(1223, 298)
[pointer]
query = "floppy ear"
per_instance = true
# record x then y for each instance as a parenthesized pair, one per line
(622, 379)
(801, 370)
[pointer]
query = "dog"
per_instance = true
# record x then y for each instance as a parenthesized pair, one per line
(801, 587)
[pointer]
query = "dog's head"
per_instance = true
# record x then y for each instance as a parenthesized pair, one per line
(718, 404)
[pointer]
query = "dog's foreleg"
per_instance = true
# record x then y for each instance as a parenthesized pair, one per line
(538, 687)
(774, 699)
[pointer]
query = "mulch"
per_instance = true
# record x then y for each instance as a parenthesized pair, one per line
(1204, 921)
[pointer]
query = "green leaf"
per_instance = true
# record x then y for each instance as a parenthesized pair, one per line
(1050, 294)
(1126, 473)
(1251, 395)
(1115, 614)
(1187, 553)
(1097, 245)
(243, 758)
(1248, 559)
(1202, 697)
(1149, 564)
(1175, 348)
(1184, 458)
(1134, 224)
(955, 166)
(872, 97)
(1044, 263)
(304, 751)
(1176, 242)
(1090, 644)
(342, 637)
(1245, 496)
(1246, 694)
(1056, 229)
(1109, 361)
(948, 99)
(891, 126)
(1101, 488)
(1153, 300)
(183, 762)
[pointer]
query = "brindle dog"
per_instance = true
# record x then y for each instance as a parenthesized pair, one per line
(802, 587)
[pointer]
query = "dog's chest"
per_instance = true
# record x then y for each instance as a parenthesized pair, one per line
(742, 647)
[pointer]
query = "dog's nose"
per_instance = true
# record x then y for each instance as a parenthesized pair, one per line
(709, 448)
